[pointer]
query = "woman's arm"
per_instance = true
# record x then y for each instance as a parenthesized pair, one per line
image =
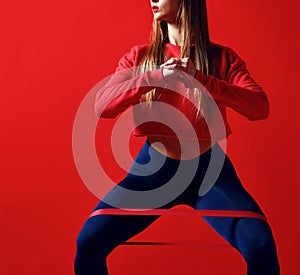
(125, 87)
(238, 91)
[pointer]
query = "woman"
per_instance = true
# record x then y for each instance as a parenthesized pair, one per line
(182, 50)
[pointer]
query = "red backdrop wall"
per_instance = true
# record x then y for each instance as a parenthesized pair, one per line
(54, 52)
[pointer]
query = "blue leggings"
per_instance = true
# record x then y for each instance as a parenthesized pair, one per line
(250, 236)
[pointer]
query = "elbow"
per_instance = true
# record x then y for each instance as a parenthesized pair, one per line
(104, 110)
(265, 108)
(266, 112)
(262, 112)
(104, 113)
(98, 111)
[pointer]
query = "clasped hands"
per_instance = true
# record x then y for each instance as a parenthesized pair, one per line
(182, 68)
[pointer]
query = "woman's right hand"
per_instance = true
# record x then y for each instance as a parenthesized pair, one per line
(168, 73)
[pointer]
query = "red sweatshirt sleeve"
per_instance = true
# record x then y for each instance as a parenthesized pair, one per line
(238, 91)
(125, 87)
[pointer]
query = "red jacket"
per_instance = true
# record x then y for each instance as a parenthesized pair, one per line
(232, 86)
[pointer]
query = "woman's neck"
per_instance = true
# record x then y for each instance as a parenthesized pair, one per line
(175, 34)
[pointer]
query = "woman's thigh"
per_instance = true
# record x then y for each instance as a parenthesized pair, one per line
(107, 231)
(103, 232)
(228, 193)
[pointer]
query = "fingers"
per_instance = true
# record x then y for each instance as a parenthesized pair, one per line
(180, 64)
(176, 62)
(169, 68)
(170, 74)
(171, 61)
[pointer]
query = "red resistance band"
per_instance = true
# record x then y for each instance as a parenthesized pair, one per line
(177, 212)
(180, 212)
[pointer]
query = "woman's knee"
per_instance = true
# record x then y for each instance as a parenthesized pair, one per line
(254, 237)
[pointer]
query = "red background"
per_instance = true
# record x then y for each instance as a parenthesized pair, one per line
(54, 52)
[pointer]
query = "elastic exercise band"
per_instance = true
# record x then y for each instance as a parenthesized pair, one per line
(176, 244)
(176, 212)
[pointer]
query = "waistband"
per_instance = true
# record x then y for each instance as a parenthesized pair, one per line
(150, 162)
(204, 156)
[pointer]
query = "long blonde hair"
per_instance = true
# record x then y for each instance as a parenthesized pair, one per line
(192, 19)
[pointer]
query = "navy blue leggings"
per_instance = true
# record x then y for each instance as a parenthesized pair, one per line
(250, 236)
